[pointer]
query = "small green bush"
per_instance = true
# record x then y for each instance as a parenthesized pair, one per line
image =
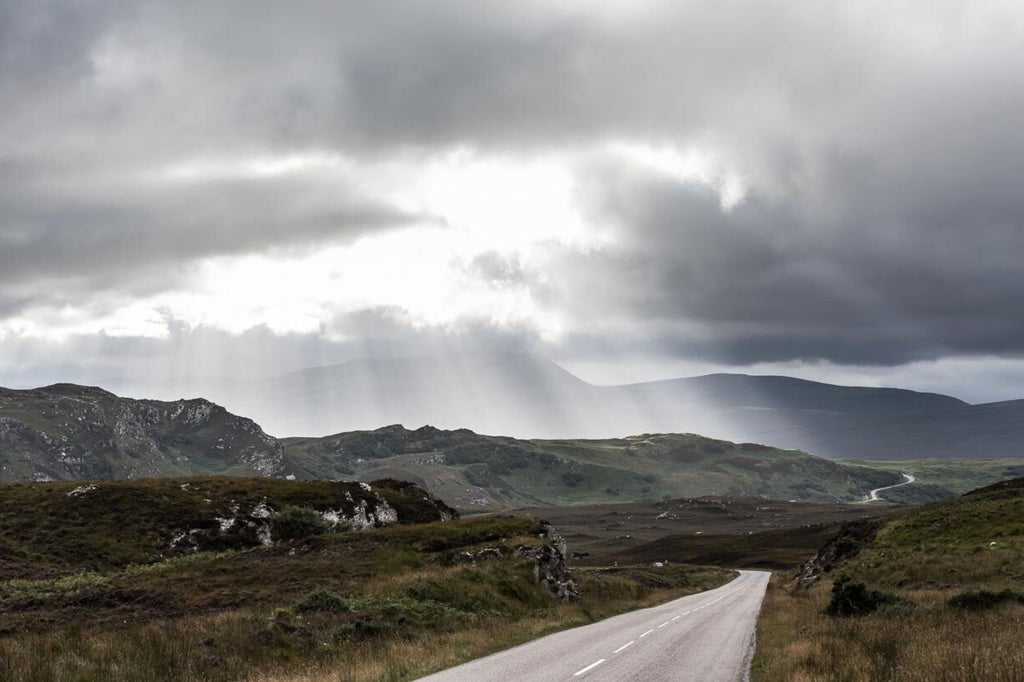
(321, 600)
(571, 479)
(845, 545)
(983, 599)
(360, 630)
(855, 599)
(296, 523)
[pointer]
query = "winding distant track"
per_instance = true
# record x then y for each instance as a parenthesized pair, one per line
(873, 495)
(707, 637)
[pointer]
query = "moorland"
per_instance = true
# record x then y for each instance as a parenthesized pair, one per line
(176, 540)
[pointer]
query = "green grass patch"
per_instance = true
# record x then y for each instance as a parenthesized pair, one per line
(980, 600)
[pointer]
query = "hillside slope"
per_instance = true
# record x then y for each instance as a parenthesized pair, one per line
(935, 592)
(62, 526)
(73, 432)
(68, 432)
(472, 471)
(98, 589)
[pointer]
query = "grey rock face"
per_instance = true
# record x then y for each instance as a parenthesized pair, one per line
(853, 536)
(550, 570)
(68, 432)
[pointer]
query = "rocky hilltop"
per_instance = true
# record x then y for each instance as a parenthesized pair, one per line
(68, 432)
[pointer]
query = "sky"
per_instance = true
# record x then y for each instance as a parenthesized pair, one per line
(634, 189)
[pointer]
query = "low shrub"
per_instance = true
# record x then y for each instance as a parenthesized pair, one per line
(361, 629)
(981, 600)
(296, 523)
(855, 599)
(322, 599)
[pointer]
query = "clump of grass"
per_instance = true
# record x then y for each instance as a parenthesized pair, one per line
(851, 598)
(17, 590)
(175, 562)
(981, 600)
(322, 600)
(297, 523)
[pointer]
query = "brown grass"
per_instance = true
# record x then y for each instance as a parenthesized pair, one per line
(796, 641)
(927, 555)
(405, 614)
(281, 646)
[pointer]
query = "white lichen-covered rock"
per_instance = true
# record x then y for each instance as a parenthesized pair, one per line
(385, 514)
(365, 514)
(82, 490)
(261, 511)
(263, 534)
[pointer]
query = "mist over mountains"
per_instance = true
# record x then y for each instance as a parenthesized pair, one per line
(71, 432)
(529, 397)
(505, 431)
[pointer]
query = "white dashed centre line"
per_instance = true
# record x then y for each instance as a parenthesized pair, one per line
(625, 646)
(589, 667)
(633, 641)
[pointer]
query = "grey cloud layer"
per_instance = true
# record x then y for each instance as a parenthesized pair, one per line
(120, 234)
(880, 143)
(766, 281)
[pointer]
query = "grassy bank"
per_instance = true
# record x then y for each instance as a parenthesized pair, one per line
(933, 643)
(388, 603)
(945, 595)
(398, 629)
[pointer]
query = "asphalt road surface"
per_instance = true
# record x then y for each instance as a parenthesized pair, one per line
(873, 495)
(707, 637)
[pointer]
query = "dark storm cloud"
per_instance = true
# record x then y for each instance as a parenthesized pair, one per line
(879, 143)
(114, 237)
(769, 280)
(42, 41)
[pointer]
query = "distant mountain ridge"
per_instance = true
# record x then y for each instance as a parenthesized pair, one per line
(74, 432)
(69, 432)
(530, 397)
(782, 392)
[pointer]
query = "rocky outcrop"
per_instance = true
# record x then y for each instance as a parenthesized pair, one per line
(853, 536)
(550, 570)
(471, 558)
(415, 505)
(69, 432)
(348, 506)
